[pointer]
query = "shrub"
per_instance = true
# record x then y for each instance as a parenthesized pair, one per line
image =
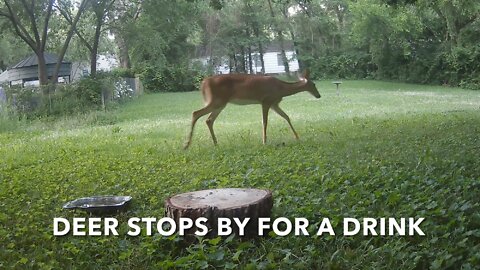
(66, 99)
(120, 72)
(471, 83)
(22, 101)
(341, 65)
(173, 78)
(89, 90)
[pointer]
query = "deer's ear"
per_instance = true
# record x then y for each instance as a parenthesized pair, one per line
(306, 74)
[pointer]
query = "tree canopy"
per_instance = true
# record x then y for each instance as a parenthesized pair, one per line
(425, 41)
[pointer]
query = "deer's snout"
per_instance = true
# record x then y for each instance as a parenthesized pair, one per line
(316, 94)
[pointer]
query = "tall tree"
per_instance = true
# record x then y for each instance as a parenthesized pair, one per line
(280, 37)
(30, 21)
(256, 20)
(68, 38)
(125, 15)
(99, 10)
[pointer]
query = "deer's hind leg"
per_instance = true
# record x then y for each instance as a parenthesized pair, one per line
(211, 120)
(195, 116)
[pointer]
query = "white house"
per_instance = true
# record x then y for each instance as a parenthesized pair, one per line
(272, 58)
(82, 68)
(274, 62)
(26, 71)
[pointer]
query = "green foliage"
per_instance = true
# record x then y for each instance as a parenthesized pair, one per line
(414, 41)
(347, 65)
(66, 99)
(23, 100)
(423, 41)
(121, 72)
(377, 150)
(173, 78)
(29, 102)
(90, 90)
(11, 49)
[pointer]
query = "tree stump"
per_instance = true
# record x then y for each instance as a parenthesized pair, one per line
(226, 203)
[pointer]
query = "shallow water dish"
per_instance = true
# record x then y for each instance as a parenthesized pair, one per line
(99, 203)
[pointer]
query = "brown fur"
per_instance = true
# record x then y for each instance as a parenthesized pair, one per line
(245, 89)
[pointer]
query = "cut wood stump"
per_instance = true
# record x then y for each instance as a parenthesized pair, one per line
(226, 203)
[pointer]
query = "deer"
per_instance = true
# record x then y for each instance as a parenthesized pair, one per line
(245, 89)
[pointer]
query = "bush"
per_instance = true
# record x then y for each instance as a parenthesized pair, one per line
(119, 73)
(22, 102)
(89, 90)
(471, 83)
(341, 65)
(173, 78)
(66, 99)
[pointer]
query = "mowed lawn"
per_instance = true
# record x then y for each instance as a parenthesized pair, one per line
(376, 150)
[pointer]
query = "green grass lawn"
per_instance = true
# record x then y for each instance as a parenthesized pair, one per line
(377, 150)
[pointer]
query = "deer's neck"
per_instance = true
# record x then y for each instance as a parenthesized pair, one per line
(289, 89)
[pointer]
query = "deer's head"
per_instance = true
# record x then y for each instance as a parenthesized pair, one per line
(310, 85)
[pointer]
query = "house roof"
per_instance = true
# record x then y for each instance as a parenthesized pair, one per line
(32, 60)
(275, 47)
(27, 69)
(4, 76)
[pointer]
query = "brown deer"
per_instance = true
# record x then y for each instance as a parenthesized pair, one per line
(243, 89)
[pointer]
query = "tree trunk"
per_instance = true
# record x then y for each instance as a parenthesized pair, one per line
(249, 53)
(301, 65)
(69, 36)
(250, 61)
(262, 60)
(243, 67)
(235, 62)
(226, 203)
(295, 43)
(256, 31)
(231, 63)
(284, 57)
(94, 52)
(42, 68)
(123, 55)
(93, 63)
(280, 39)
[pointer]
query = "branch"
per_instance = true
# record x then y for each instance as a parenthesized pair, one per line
(465, 23)
(67, 41)
(6, 15)
(31, 15)
(138, 11)
(64, 13)
(110, 5)
(19, 28)
(107, 9)
(68, 18)
(45, 24)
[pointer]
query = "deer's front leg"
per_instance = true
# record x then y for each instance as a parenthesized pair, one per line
(265, 108)
(280, 112)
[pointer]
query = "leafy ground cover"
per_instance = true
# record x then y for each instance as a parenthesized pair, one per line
(376, 150)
